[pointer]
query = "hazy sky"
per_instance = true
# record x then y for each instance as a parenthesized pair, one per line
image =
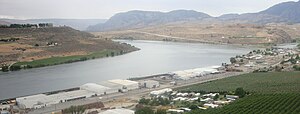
(103, 9)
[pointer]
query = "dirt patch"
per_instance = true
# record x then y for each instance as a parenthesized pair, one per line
(13, 47)
(117, 103)
(86, 42)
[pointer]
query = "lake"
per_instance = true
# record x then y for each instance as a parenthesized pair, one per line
(154, 57)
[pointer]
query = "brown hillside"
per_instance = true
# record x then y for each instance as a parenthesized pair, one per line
(210, 33)
(39, 43)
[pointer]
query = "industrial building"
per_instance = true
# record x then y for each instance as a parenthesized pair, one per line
(97, 89)
(126, 84)
(43, 100)
(84, 91)
(197, 72)
(149, 84)
(114, 88)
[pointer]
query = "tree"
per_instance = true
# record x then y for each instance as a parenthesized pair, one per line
(112, 54)
(145, 110)
(15, 67)
(240, 92)
(5, 69)
(297, 57)
(161, 111)
(232, 60)
(193, 107)
(216, 97)
(144, 101)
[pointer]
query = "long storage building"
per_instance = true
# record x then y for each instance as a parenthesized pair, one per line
(126, 84)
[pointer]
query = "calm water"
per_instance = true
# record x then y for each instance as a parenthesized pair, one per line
(153, 58)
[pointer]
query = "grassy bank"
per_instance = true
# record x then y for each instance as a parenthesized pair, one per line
(270, 93)
(65, 59)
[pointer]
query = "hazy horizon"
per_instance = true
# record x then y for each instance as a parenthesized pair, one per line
(104, 9)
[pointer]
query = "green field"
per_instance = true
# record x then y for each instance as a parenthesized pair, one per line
(275, 82)
(270, 93)
(279, 103)
(65, 59)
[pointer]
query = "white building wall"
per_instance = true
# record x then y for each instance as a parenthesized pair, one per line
(126, 84)
(150, 84)
(29, 101)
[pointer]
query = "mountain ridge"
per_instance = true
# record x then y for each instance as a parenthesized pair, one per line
(144, 18)
(285, 12)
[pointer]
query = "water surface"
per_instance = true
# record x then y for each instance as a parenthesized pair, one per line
(154, 57)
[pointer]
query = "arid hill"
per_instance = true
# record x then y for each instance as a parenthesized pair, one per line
(27, 44)
(211, 33)
(286, 12)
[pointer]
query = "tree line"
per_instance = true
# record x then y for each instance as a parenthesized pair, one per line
(40, 25)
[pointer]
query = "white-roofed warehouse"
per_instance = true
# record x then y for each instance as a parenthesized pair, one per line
(192, 73)
(98, 89)
(42, 100)
(127, 84)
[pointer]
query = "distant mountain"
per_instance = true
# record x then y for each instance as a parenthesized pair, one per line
(134, 19)
(4, 22)
(79, 24)
(287, 12)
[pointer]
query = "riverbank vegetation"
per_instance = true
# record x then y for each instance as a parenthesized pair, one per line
(273, 93)
(64, 59)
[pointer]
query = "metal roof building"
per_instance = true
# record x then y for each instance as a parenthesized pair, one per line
(127, 84)
(114, 88)
(43, 100)
(96, 88)
(192, 73)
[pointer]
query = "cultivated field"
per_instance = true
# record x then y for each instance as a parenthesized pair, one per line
(280, 103)
(275, 82)
(270, 93)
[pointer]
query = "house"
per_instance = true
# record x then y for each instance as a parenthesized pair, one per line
(208, 105)
(172, 111)
(232, 96)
